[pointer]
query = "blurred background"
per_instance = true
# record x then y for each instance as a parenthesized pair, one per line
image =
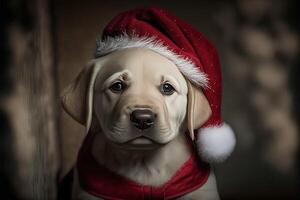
(45, 43)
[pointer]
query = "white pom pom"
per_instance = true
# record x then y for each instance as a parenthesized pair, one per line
(215, 143)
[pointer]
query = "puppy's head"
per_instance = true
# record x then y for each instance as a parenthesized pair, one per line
(136, 98)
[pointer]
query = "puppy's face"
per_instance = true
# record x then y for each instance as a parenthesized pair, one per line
(140, 99)
(137, 98)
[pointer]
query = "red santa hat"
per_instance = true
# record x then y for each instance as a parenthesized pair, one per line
(192, 53)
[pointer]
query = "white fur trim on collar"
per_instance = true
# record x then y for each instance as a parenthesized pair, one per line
(216, 143)
(124, 41)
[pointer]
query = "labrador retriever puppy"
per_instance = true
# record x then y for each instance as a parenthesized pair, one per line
(141, 112)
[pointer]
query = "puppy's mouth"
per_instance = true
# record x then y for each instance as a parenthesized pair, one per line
(140, 143)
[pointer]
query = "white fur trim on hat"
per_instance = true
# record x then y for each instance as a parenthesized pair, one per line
(125, 41)
(215, 143)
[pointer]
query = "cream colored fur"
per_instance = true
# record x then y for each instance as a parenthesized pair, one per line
(154, 158)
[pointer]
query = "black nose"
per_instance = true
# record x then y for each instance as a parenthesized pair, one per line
(142, 118)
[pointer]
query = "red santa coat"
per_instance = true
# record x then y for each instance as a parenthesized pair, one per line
(102, 182)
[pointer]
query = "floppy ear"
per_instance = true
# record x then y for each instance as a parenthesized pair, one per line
(75, 96)
(198, 109)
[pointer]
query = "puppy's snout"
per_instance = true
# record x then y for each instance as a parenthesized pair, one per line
(142, 118)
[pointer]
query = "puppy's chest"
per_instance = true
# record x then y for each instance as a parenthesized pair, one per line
(105, 184)
(147, 174)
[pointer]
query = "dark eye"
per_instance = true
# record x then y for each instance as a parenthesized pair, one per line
(117, 87)
(167, 89)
